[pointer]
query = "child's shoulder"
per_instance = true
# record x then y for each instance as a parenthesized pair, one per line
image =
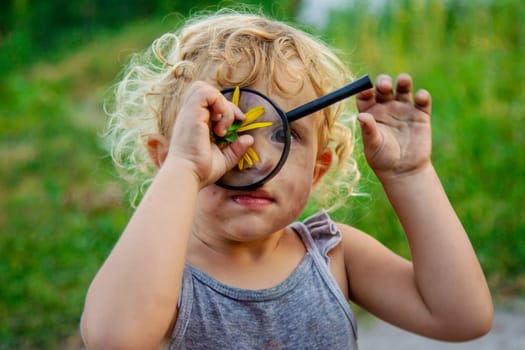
(322, 223)
(321, 227)
(354, 240)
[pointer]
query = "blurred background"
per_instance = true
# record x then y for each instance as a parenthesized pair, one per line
(62, 206)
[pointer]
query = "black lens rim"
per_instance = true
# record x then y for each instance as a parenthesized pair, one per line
(286, 149)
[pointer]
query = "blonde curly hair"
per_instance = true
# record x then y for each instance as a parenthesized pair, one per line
(147, 100)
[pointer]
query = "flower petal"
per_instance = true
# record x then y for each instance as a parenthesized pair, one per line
(253, 114)
(251, 152)
(236, 95)
(254, 126)
(240, 164)
(248, 159)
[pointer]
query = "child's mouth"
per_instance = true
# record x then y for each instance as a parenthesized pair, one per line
(253, 200)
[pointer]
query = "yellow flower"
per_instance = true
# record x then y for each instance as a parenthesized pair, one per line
(250, 157)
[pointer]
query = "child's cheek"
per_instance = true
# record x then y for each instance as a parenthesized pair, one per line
(299, 176)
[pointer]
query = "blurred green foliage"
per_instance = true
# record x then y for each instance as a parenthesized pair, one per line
(62, 207)
(32, 29)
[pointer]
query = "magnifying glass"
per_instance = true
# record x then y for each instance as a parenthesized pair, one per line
(269, 126)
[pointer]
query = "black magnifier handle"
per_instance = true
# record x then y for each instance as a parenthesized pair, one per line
(353, 88)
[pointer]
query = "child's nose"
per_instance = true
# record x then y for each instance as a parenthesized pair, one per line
(264, 166)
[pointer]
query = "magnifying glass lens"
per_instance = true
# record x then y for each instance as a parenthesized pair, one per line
(269, 128)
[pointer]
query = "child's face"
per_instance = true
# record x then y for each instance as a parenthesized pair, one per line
(246, 215)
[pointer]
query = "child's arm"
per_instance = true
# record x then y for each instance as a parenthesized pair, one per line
(443, 292)
(132, 301)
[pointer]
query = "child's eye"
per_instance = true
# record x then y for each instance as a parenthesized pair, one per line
(280, 136)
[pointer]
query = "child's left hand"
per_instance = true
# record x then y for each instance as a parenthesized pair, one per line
(396, 133)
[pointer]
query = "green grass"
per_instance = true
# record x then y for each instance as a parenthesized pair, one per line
(62, 208)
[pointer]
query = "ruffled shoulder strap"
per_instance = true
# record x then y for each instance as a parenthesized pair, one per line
(319, 233)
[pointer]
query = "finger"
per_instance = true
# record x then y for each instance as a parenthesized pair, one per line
(423, 101)
(383, 89)
(369, 133)
(216, 114)
(207, 99)
(223, 113)
(238, 114)
(234, 152)
(365, 100)
(403, 88)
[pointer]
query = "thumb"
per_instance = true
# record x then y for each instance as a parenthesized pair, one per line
(234, 152)
(369, 133)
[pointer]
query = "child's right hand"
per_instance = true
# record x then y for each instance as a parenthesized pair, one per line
(205, 109)
(395, 127)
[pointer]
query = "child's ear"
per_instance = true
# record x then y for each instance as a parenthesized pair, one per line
(324, 160)
(158, 146)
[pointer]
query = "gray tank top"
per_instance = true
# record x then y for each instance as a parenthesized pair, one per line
(306, 311)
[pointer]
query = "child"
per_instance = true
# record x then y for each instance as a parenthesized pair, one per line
(203, 267)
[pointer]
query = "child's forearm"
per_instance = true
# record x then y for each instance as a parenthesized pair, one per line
(447, 272)
(133, 298)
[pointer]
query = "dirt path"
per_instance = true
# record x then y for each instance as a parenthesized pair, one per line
(508, 333)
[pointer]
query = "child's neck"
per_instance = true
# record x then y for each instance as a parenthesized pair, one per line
(250, 265)
(242, 252)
